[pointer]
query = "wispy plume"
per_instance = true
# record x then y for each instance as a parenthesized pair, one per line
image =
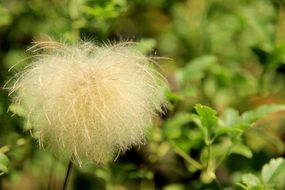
(88, 102)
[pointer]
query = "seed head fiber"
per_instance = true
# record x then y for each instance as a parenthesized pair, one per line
(88, 102)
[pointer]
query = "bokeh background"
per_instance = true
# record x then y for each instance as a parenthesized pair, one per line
(228, 55)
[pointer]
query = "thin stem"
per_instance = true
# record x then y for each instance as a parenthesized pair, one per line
(187, 157)
(209, 156)
(68, 172)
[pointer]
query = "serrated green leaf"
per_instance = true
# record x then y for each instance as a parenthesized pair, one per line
(4, 161)
(207, 115)
(241, 149)
(250, 117)
(271, 171)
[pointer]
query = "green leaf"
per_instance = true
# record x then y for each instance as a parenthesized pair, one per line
(227, 130)
(5, 18)
(16, 109)
(146, 45)
(174, 96)
(241, 149)
(174, 187)
(271, 171)
(207, 116)
(230, 117)
(250, 180)
(241, 185)
(230, 123)
(195, 69)
(276, 58)
(4, 161)
(250, 117)
(172, 127)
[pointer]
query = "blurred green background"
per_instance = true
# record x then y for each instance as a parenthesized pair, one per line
(228, 55)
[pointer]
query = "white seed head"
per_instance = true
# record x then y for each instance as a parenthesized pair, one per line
(89, 102)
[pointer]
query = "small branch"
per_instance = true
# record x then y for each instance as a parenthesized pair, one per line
(68, 172)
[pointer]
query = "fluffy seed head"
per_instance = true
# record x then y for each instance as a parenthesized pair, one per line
(89, 102)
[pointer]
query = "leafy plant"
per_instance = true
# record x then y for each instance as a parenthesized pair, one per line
(272, 175)
(219, 136)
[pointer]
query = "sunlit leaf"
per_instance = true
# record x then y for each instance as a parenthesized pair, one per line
(242, 150)
(272, 170)
(4, 161)
(146, 45)
(172, 127)
(230, 117)
(253, 115)
(228, 130)
(196, 68)
(174, 187)
(207, 115)
(250, 180)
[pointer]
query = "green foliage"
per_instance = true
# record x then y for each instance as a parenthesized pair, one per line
(196, 68)
(207, 116)
(272, 175)
(252, 116)
(224, 127)
(271, 171)
(4, 162)
(222, 136)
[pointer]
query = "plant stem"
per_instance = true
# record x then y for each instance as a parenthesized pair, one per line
(68, 172)
(187, 157)
(209, 156)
